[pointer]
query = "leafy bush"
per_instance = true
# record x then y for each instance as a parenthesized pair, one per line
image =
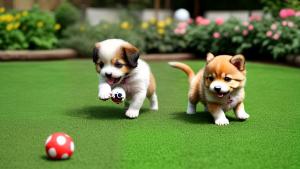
(274, 6)
(259, 36)
(83, 37)
(160, 36)
(31, 29)
(278, 38)
(67, 14)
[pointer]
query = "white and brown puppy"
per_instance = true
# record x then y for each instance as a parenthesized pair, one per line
(118, 64)
(219, 86)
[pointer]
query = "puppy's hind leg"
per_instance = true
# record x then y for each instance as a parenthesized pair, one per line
(193, 100)
(191, 108)
(153, 101)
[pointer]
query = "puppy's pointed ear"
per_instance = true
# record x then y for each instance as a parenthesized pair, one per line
(96, 52)
(238, 61)
(209, 57)
(131, 54)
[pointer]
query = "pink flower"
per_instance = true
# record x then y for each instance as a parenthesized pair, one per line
(216, 35)
(297, 13)
(190, 21)
(286, 12)
(245, 32)
(182, 25)
(276, 36)
(181, 28)
(205, 22)
(245, 23)
(219, 21)
(250, 27)
(202, 21)
(284, 23)
(255, 18)
(269, 33)
(290, 24)
(198, 19)
(178, 31)
(274, 26)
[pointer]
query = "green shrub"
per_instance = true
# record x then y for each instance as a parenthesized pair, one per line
(257, 37)
(199, 38)
(161, 38)
(67, 14)
(260, 36)
(33, 29)
(274, 6)
(279, 38)
(83, 37)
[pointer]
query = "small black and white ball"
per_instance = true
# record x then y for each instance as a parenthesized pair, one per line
(118, 95)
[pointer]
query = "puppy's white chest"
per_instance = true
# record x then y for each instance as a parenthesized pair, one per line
(231, 102)
(134, 86)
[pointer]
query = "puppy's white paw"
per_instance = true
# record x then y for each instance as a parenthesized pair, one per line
(191, 108)
(104, 95)
(190, 112)
(154, 107)
(242, 115)
(132, 113)
(222, 121)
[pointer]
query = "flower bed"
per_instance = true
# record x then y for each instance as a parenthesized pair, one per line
(31, 29)
(259, 38)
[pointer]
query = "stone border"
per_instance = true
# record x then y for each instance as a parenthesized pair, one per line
(293, 60)
(171, 56)
(38, 54)
(57, 54)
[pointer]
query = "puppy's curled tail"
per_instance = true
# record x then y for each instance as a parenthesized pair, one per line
(185, 68)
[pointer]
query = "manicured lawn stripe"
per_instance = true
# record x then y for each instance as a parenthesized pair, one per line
(39, 98)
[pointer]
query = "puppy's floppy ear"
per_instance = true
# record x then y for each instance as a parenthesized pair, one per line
(238, 61)
(96, 52)
(131, 54)
(209, 57)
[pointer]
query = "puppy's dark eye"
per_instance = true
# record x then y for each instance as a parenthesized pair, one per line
(118, 65)
(227, 79)
(101, 64)
(211, 78)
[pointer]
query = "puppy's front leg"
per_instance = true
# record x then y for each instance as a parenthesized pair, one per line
(218, 114)
(136, 104)
(104, 91)
(240, 113)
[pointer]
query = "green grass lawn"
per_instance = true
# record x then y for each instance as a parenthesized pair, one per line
(39, 98)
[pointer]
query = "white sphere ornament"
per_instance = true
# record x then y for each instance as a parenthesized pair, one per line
(181, 15)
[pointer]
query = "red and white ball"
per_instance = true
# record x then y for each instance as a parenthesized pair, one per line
(59, 146)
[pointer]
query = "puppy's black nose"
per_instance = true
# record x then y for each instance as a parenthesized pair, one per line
(217, 88)
(108, 75)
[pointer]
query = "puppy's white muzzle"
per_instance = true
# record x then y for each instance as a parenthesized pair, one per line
(219, 87)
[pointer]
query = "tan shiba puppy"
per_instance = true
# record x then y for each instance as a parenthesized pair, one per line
(219, 86)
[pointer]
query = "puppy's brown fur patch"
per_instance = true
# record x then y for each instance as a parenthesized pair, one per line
(152, 86)
(120, 58)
